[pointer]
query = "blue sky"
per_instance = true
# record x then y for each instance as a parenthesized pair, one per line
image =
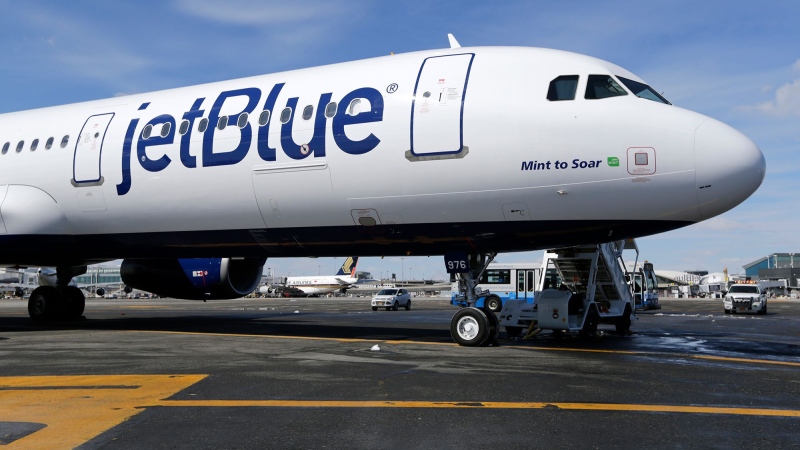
(736, 61)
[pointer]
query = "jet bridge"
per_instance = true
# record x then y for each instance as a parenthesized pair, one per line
(582, 286)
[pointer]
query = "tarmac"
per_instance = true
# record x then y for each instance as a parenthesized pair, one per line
(331, 373)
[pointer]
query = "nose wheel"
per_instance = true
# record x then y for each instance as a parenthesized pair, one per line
(473, 327)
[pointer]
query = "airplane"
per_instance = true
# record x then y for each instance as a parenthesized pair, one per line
(325, 284)
(482, 149)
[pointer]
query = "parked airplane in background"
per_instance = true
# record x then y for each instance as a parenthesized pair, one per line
(325, 284)
(485, 150)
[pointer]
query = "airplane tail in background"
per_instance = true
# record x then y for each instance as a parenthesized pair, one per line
(349, 267)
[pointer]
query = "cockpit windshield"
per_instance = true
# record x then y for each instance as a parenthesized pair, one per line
(602, 86)
(642, 90)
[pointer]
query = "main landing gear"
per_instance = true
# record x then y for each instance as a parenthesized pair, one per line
(472, 326)
(59, 302)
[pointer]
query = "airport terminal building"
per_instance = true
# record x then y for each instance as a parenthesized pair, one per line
(780, 268)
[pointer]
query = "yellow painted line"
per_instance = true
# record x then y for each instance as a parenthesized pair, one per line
(481, 405)
(745, 360)
(453, 344)
(301, 338)
(77, 408)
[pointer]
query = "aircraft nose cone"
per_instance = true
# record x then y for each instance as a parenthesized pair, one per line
(729, 167)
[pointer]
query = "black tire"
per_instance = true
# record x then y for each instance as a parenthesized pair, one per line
(623, 323)
(763, 311)
(493, 303)
(394, 306)
(469, 327)
(514, 332)
(42, 303)
(408, 305)
(75, 302)
(494, 327)
(589, 330)
(374, 308)
(727, 311)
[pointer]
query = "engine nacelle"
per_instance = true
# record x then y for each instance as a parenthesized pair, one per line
(194, 279)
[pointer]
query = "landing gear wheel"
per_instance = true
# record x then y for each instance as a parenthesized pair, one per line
(623, 323)
(408, 305)
(75, 303)
(494, 327)
(493, 303)
(42, 303)
(394, 306)
(590, 325)
(469, 327)
(514, 332)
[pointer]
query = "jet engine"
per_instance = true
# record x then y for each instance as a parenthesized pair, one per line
(194, 279)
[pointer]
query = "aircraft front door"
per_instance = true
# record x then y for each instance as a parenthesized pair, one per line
(437, 110)
(89, 150)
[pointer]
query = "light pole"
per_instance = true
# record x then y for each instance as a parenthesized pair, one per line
(402, 270)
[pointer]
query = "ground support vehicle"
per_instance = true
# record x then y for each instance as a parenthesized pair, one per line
(592, 289)
(745, 298)
(504, 281)
(391, 299)
(645, 287)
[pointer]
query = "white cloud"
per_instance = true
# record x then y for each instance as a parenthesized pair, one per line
(719, 224)
(796, 66)
(786, 102)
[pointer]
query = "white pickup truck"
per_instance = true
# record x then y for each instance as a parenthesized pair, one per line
(745, 298)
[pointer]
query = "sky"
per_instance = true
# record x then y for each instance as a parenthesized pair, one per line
(738, 62)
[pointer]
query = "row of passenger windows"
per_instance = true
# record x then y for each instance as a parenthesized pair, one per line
(35, 144)
(599, 87)
(242, 119)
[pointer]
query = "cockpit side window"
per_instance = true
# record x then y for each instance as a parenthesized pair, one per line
(642, 90)
(603, 86)
(563, 88)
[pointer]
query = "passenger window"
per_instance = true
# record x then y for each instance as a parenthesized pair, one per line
(49, 144)
(286, 114)
(263, 118)
(563, 88)
(5, 147)
(642, 90)
(308, 111)
(603, 86)
(148, 130)
(34, 145)
(354, 108)
(242, 122)
(20, 145)
(165, 129)
(184, 128)
(64, 141)
(202, 125)
(222, 123)
(641, 159)
(330, 110)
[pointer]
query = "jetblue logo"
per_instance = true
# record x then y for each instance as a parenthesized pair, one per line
(142, 143)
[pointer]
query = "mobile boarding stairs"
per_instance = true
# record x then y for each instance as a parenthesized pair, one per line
(593, 289)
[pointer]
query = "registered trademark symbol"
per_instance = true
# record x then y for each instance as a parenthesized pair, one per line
(392, 88)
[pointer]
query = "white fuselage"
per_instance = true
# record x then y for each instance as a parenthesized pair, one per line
(319, 285)
(425, 153)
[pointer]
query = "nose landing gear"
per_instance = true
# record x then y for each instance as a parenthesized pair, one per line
(472, 326)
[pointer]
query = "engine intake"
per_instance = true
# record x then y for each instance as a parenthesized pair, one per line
(194, 279)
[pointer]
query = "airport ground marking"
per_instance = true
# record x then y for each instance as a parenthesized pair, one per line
(97, 403)
(77, 408)
(452, 344)
(688, 409)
